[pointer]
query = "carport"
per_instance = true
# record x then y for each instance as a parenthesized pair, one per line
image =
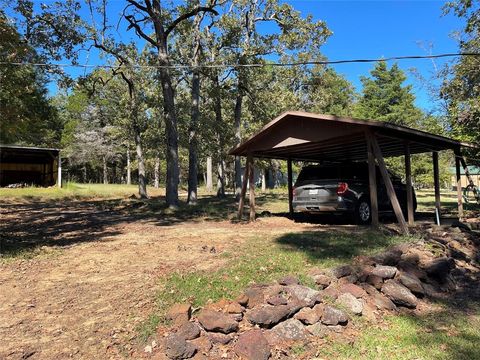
(302, 136)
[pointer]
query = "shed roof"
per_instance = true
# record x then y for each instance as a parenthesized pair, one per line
(306, 136)
(26, 154)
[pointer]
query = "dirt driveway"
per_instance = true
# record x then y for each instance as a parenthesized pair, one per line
(96, 274)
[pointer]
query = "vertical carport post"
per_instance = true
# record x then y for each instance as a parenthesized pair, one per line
(436, 185)
(290, 187)
(408, 178)
(372, 182)
(59, 169)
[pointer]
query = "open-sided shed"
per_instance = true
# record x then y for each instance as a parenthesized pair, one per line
(303, 136)
(29, 165)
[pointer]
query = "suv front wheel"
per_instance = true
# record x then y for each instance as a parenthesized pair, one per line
(363, 212)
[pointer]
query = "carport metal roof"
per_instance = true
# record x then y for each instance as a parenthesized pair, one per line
(297, 135)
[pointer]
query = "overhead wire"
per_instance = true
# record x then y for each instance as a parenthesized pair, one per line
(253, 65)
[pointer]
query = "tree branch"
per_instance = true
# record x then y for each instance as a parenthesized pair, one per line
(138, 6)
(187, 15)
(133, 24)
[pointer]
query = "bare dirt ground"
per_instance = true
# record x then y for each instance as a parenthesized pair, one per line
(96, 274)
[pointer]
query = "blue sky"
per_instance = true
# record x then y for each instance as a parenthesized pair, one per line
(373, 29)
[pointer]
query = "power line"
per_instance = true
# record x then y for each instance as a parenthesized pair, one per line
(256, 65)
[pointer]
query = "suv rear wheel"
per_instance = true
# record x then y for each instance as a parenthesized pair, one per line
(363, 212)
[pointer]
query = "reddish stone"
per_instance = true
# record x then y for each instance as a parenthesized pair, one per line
(331, 291)
(289, 280)
(217, 321)
(399, 294)
(234, 308)
(252, 345)
(189, 331)
(308, 316)
(277, 300)
(322, 280)
(242, 300)
(177, 348)
(267, 316)
(375, 281)
(353, 289)
(179, 313)
(255, 296)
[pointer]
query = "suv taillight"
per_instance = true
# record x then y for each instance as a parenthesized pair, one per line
(294, 192)
(342, 188)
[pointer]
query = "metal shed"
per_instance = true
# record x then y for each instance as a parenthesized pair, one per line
(302, 136)
(29, 165)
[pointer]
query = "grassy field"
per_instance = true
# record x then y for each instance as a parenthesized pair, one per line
(75, 191)
(270, 251)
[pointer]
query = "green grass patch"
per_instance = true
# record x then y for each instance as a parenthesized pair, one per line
(74, 191)
(28, 253)
(448, 333)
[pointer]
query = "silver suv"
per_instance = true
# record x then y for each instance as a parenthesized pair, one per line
(343, 188)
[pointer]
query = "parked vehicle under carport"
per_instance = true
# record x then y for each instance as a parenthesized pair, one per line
(343, 189)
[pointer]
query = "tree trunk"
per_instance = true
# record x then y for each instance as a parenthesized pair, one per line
(171, 131)
(192, 150)
(221, 179)
(156, 183)
(238, 140)
(209, 174)
(105, 170)
(195, 115)
(220, 134)
(129, 169)
(142, 183)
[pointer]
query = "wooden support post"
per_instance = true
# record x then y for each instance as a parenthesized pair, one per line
(436, 185)
(372, 182)
(408, 177)
(388, 183)
(241, 201)
(459, 183)
(59, 169)
(251, 175)
(290, 187)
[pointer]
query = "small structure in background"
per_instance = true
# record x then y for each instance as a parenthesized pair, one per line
(23, 165)
(474, 172)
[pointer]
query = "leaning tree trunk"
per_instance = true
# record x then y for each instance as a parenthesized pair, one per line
(192, 137)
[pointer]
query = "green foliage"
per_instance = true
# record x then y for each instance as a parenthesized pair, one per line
(26, 113)
(385, 98)
(461, 88)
